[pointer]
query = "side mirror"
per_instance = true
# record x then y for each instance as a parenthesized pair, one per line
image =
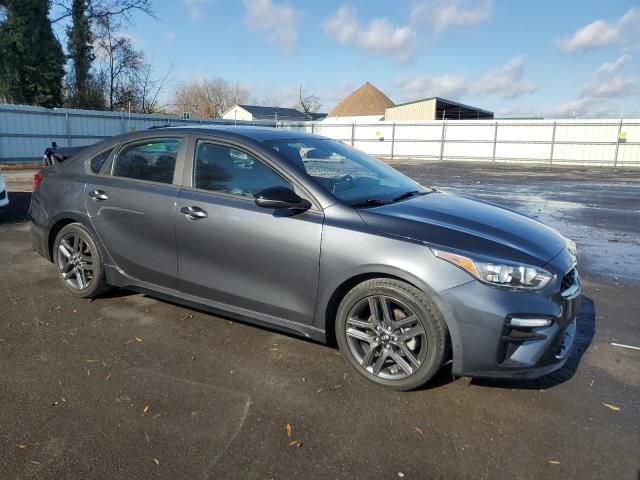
(281, 198)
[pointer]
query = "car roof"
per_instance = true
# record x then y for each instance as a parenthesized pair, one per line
(260, 134)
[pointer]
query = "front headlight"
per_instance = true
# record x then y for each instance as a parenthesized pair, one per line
(506, 275)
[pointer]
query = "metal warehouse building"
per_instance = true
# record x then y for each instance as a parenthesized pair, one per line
(435, 108)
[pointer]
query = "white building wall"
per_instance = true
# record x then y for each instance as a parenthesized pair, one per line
(237, 113)
(421, 111)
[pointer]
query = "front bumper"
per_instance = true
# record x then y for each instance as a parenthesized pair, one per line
(490, 346)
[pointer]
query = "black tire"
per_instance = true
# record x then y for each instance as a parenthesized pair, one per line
(90, 284)
(399, 298)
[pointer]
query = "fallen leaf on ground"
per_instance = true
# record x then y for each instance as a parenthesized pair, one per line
(187, 317)
(156, 461)
(138, 339)
(554, 462)
(88, 372)
(107, 377)
(22, 446)
(289, 430)
(419, 430)
(611, 407)
(291, 444)
(146, 436)
(274, 349)
(146, 409)
(35, 462)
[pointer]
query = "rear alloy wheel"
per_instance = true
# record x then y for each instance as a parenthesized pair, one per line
(391, 333)
(79, 261)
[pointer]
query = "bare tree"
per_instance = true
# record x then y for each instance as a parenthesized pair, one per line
(150, 87)
(119, 64)
(308, 103)
(103, 9)
(209, 97)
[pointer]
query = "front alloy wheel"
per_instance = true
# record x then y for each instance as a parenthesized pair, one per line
(391, 333)
(386, 337)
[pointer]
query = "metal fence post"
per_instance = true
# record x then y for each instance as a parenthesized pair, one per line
(393, 138)
(553, 142)
(68, 127)
(353, 133)
(124, 130)
(443, 138)
(495, 141)
(313, 128)
(615, 158)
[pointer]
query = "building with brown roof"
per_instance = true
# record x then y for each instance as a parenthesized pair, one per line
(364, 102)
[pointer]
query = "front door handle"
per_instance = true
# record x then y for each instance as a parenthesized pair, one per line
(98, 196)
(193, 213)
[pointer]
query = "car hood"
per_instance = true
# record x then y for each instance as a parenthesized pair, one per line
(462, 223)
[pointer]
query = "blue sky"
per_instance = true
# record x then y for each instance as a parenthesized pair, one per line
(516, 58)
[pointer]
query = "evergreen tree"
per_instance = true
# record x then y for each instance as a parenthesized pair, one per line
(31, 58)
(82, 89)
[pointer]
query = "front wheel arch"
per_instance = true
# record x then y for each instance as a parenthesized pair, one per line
(328, 315)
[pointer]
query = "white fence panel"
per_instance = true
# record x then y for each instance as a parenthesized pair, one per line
(26, 131)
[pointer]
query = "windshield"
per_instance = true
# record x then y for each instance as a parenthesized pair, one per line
(350, 175)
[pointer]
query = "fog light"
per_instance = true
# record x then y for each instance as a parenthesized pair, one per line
(530, 322)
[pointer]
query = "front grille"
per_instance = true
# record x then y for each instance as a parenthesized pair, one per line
(568, 280)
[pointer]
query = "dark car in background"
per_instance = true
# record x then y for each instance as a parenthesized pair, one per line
(310, 236)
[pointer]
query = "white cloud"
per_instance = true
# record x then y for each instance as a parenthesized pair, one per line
(443, 15)
(196, 8)
(380, 37)
(612, 67)
(616, 86)
(506, 81)
(609, 81)
(604, 93)
(601, 33)
(277, 22)
(588, 107)
(423, 86)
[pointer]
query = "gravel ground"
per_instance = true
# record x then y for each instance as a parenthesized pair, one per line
(128, 386)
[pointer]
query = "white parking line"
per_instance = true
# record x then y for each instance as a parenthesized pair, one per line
(625, 346)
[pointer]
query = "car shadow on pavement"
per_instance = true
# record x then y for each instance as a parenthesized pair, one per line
(585, 331)
(18, 208)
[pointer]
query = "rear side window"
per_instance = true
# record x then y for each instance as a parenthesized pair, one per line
(97, 162)
(153, 160)
(219, 168)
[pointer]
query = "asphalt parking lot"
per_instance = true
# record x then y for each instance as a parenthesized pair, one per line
(127, 386)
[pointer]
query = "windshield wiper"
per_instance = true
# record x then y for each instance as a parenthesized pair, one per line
(407, 195)
(371, 202)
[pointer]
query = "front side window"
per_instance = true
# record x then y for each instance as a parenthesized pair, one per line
(350, 175)
(224, 169)
(97, 162)
(153, 160)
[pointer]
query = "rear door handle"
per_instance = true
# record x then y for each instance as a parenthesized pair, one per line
(193, 213)
(98, 196)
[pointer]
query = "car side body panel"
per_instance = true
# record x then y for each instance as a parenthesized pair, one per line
(241, 254)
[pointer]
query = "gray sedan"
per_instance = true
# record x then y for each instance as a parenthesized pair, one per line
(310, 236)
